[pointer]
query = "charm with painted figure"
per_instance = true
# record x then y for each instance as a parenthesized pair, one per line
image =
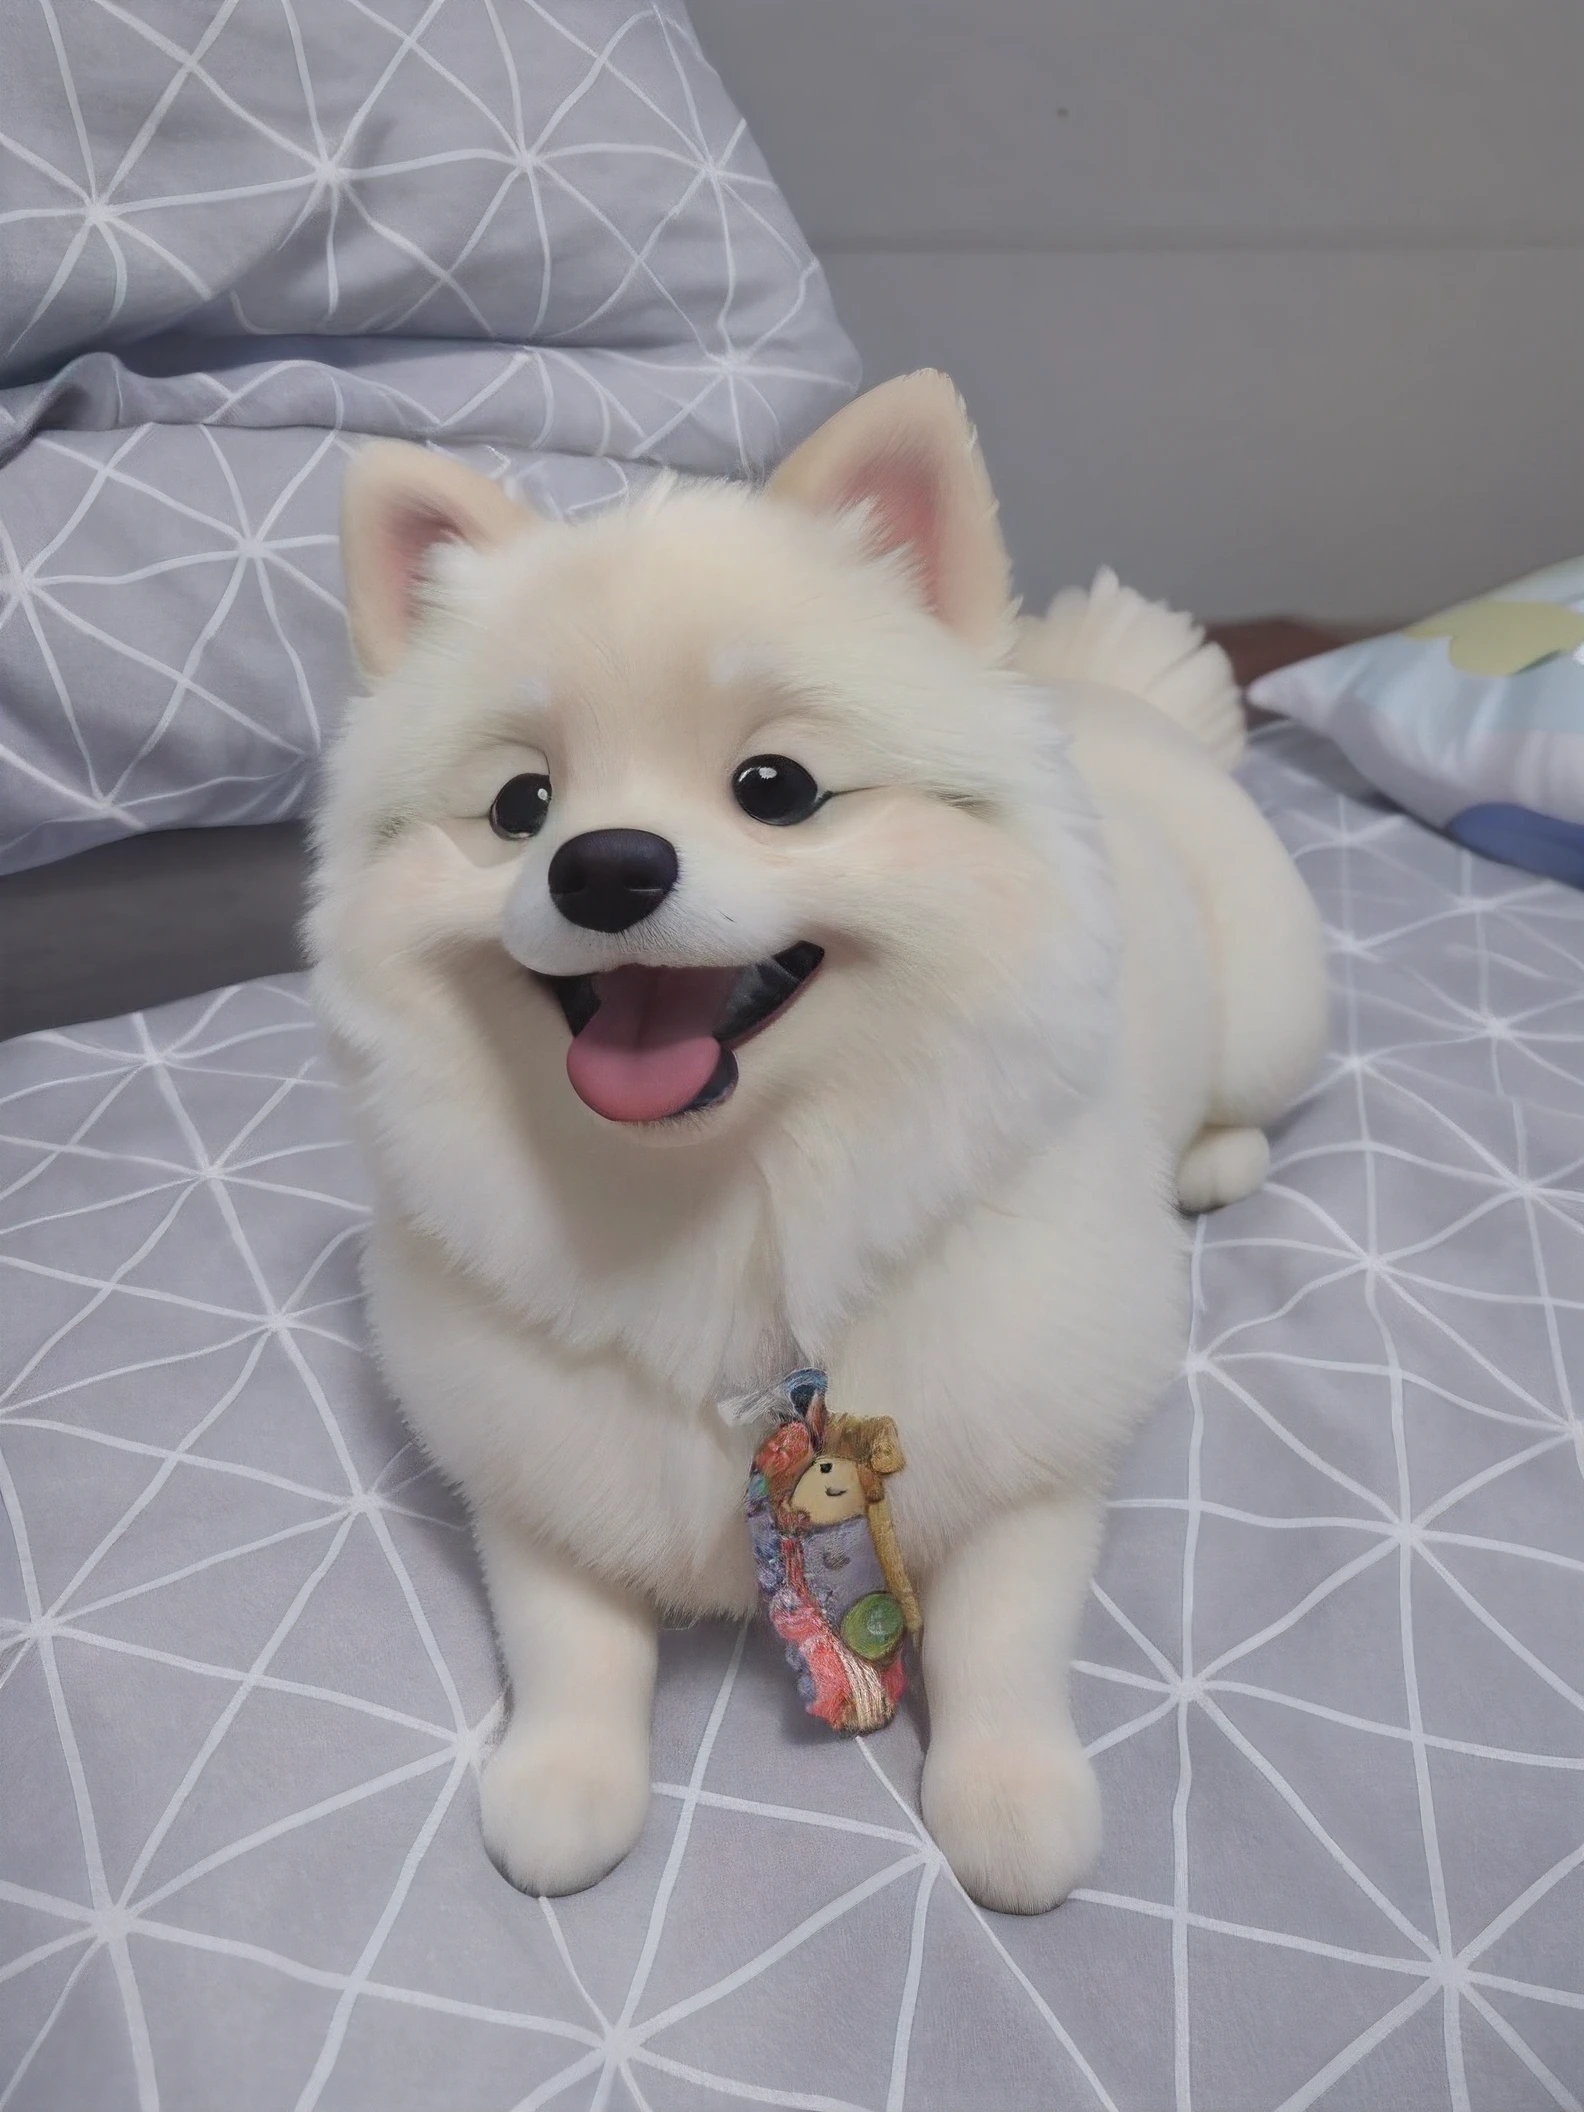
(831, 1575)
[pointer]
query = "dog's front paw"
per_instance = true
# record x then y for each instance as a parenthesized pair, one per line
(1017, 1817)
(563, 1803)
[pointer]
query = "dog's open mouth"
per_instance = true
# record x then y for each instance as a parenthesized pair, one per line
(651, 1043)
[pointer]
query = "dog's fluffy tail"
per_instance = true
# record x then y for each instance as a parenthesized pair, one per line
(1112, 635)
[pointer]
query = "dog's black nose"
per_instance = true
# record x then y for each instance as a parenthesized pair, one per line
(611, 878)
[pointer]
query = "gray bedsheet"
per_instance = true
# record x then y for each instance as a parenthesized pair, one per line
(1332, 1671)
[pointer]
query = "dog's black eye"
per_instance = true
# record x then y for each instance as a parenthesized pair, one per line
(521, 806)
(775, 789)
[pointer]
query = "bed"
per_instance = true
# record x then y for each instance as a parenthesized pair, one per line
(1332, 1668)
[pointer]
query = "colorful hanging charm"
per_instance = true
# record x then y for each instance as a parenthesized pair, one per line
(830, 1571)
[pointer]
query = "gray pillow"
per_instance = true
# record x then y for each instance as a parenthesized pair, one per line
(234, 240)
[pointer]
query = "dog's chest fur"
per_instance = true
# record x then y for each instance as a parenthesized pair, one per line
(1013, 1347)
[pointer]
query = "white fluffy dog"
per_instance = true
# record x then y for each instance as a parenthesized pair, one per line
(746, 946)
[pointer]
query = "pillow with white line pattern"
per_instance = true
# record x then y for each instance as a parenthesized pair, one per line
(234, 240)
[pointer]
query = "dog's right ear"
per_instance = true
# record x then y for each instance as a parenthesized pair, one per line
(907, 453)
(398, 502)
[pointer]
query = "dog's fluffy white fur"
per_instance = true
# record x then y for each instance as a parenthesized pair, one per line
(1068, 975)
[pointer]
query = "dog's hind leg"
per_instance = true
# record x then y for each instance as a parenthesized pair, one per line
(1262, 939)
(1222, 1166)
(1160, 738)
(1266, 954)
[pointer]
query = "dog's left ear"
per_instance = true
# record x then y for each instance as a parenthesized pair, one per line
(907, 450)
(398, 502)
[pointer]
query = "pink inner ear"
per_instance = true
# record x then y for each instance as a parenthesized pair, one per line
(904, 499)
(413, 533)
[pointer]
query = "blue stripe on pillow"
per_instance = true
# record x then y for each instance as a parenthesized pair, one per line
(1519, 836)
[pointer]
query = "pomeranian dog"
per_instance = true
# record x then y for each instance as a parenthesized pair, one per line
(746, 946)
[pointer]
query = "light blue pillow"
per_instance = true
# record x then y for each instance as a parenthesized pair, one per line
(1473, 719)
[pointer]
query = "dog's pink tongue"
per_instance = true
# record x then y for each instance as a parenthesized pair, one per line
(648, 1050)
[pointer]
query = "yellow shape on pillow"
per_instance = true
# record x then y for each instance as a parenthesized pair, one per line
(1501, 638)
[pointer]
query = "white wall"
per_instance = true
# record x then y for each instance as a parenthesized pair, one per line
(1274, 304)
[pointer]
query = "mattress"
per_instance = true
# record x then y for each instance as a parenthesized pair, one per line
(1331, 1671)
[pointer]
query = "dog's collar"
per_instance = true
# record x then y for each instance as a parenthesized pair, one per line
(786, 1397)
